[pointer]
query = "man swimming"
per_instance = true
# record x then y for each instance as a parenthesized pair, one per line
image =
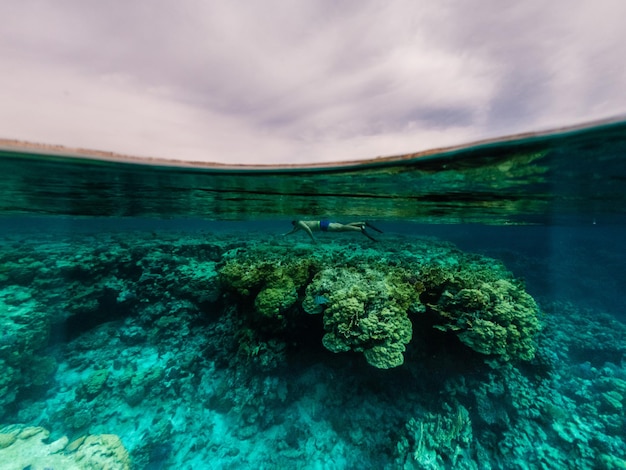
(310, 226)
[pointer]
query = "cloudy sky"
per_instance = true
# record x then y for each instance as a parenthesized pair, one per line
(303, 81)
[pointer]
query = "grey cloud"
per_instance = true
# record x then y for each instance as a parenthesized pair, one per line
(322, 76)
(547, 54)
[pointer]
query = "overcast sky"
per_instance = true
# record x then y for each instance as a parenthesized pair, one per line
(303, 81)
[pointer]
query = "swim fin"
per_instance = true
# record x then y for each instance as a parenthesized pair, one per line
(368, 235)
(373, 228)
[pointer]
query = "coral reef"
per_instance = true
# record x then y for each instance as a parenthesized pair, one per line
(28, 447)
(492, 317)
(367, 305)
(23, 339)
(438, 440)
(220, 349)
(268, 278)
(366, 309)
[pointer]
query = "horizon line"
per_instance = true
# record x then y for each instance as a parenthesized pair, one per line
(54, 150)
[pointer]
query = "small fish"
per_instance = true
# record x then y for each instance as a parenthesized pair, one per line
(320, 300)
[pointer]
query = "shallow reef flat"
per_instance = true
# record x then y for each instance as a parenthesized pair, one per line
(232, 350)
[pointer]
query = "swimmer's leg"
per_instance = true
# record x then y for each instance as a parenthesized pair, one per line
(363, 225)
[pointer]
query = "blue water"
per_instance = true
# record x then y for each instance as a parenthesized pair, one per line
(166, 310)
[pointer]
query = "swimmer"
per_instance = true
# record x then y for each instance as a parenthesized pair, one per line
(310, 226)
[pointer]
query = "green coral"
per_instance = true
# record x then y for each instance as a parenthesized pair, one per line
(367, 300)
(488, 310)
(271, 281)
(365, 310)
(273, 301)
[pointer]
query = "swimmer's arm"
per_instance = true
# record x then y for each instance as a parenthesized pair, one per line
(306, 228)
(293, 230)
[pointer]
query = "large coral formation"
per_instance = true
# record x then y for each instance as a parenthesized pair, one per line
(368, 299)
(488, 309)
(272, 282)
(365, 310)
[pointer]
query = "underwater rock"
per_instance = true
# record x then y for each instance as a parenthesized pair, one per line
(102, 451)
(611, 462)
(148, 377)
(138, 384)
(197, 280)
(27, 447)
(133, 335)
(6, 439)
(9, 384)
(134, 394)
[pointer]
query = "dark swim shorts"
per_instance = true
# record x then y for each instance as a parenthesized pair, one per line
(324, 225)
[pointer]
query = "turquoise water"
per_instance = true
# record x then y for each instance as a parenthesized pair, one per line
(156, 317)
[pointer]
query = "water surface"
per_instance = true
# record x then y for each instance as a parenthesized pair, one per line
(529, 180)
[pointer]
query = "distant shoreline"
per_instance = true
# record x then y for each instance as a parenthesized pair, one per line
(13, 145)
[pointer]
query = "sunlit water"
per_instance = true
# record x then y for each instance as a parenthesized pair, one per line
(162, 312)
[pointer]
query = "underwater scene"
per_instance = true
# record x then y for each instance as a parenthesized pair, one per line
(462, 308)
